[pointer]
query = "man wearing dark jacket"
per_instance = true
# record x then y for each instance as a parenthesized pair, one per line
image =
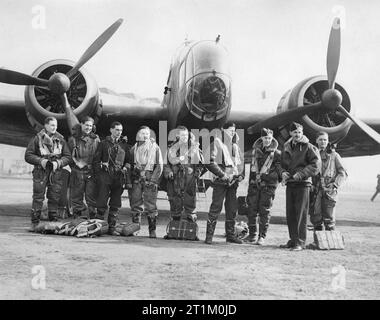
(83, 145)
(227, 165)
(265, 174)
(111, 163)
(300, 161)
(49, 153)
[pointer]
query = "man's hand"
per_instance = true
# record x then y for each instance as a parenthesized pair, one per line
(297, 176)
(285, 176)
(225, 178)
(240, 178)
(44, 163)
(55, 165)
(170, 175)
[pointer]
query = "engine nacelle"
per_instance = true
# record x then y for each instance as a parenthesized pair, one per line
(83, 96)
(310, 91)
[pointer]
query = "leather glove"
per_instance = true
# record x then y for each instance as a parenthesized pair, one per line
(44, 163)
(285, 176)
(55, 166)
(297, 176)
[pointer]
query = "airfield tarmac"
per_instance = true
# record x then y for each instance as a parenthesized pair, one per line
(141, 268)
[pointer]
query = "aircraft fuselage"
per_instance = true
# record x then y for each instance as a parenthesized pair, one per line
(199, 94)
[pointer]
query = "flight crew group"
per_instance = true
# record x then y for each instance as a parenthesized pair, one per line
(101, 170)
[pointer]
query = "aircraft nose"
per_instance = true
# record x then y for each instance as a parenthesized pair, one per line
(212, 93)
(208, 96)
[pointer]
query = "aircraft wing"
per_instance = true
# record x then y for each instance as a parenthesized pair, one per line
(352, 141)
(14, 126)
(132, 112)
(357, 143)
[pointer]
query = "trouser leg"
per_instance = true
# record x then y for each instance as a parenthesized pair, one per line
(112, 219)
(290, 214)
(253, 212)
(91, 195)
(104, 187)
(231, 207)
(301, 208)
(266, 201)
(39, 189)
(328, 212)
(190, 198)
(150, 207)
(136, 201)
(77, 189)
(316, 213)
(175, 200)
(53, 195)
(218, 195)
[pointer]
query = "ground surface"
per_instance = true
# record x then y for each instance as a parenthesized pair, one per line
(142, 268)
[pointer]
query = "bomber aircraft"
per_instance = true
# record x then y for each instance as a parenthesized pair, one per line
(197, 94)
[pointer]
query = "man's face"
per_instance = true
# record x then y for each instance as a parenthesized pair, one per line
(297, 134)
(87, 127)
(51, 127)
(144, 134)
(183, 136)
(322, 141)
(116, 131)
(267, 140)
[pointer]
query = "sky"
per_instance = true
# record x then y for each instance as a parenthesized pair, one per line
(273, 45)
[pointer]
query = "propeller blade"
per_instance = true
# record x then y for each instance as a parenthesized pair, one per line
(95, 47)
(333, 53)
(21, 79)
(362, 125)
(71, 118)
(285, 117)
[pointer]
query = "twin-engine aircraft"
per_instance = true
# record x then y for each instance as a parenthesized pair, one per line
(197, 95)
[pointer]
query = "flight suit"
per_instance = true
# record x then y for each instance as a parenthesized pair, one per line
(265, 174)
(82, 180)
(332, 175)
(186, 167)
(224, 161)
(111, 164)
(303, 158)
(147, 167)
(54, 149)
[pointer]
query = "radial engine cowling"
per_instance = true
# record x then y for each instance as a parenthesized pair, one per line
(83, 96)
(310, 91)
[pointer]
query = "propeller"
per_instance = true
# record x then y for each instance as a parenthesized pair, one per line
(95, 47)
(333, 53)
(21, 79)
(59, 83)
(331, 99)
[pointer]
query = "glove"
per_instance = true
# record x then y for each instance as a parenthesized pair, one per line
(225, 178)
(285, 176)
(297, 176)
(55, 166)
(44, 163)
(264, 177)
